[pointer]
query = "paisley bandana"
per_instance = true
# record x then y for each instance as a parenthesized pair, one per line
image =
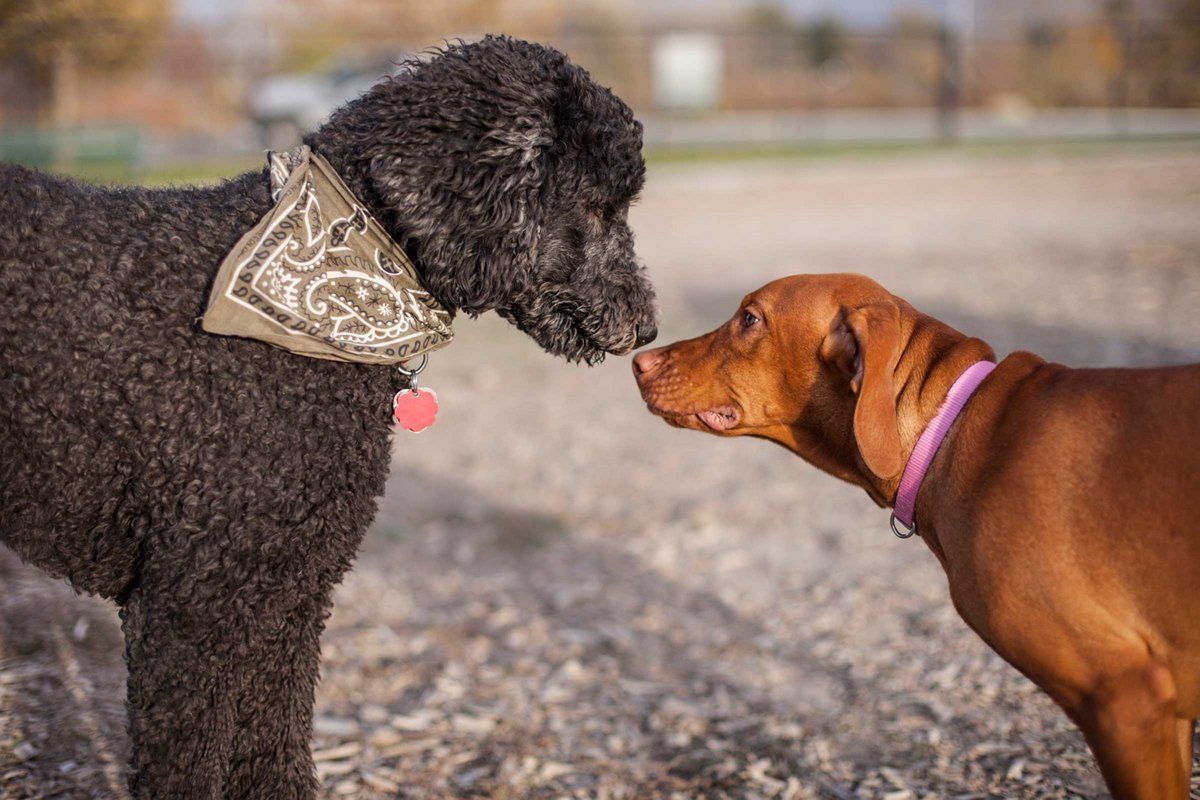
(320, 277)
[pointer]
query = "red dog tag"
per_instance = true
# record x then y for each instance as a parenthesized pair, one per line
(415, 409)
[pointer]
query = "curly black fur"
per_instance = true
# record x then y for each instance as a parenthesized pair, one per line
(217, 488)
(511, 189)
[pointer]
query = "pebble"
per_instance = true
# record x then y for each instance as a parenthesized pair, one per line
(373, 714)
(337, 753)
(334, 727)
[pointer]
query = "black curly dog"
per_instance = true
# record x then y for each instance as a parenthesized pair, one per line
(217, 488)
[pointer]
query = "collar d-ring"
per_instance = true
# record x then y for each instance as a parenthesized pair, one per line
(412, 373)
(901, 530)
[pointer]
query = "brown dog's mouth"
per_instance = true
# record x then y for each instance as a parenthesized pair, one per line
(718, 420)
(721, 418)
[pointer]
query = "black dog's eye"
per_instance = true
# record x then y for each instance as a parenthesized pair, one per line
(749, 320)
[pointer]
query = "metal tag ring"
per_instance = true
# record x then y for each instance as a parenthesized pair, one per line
(904, 531)
(412, 373)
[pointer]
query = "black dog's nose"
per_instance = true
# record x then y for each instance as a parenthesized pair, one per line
(647, 332)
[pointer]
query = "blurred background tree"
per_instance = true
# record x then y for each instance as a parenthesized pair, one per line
(405, 25)
(53, 41)
(824, 40)
(177, 80)
(1178, 62)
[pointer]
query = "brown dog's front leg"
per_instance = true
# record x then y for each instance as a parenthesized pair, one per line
(1131, 726)
(1187, 735)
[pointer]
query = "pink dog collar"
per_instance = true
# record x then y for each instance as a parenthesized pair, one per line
(929, 442)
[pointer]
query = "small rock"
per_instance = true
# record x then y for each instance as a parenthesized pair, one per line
(332, 769)
(477, 726)
(893, 777)
(408, 748)
(373, 714)
(757, 772)
(337, 753)
(420, 721)
(334, 727)
(380, 783)
(384, 737)
(554, 769)
(468, 778)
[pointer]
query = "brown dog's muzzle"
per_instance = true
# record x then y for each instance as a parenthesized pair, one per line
(673, 381)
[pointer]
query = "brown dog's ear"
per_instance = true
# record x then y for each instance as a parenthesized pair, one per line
(865, 345)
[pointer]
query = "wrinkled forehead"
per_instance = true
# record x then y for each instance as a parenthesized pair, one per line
(815, 295)
(792, 298)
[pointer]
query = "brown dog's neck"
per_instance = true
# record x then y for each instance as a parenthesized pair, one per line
(932, 357)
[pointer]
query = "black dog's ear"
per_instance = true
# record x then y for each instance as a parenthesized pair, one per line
(597, 132)
(487, 104)
(456, 150)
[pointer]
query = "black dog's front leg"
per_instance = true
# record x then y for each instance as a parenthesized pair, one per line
(222, 653)
(222, 669)
(185, 667)
(272, 756)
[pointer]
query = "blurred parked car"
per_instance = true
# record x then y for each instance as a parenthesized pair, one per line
(285, 106)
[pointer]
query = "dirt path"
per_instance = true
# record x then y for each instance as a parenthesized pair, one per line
(565, 598)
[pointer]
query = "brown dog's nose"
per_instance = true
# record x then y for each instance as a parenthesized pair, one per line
(648, 361)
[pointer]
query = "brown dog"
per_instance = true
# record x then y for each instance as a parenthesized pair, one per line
(1064, 504)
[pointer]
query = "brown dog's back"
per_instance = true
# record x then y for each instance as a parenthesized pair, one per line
(1110, 459)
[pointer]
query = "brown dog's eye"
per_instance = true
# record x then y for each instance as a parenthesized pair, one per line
(749, 320)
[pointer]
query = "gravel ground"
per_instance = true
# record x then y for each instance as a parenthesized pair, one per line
(563, 597)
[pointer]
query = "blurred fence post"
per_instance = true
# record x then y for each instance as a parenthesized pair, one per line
(64, 112)
(1118, 88)
(949, 83)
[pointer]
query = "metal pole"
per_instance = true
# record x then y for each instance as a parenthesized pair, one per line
(949, 84)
